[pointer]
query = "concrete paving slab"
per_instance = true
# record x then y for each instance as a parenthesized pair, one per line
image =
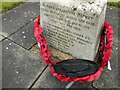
(20, 67)
(119, 65)
(82, 86)
(25, 36)
(48, 81)
(119, 51)
(16, 18)
(109, 89)
(112, 17)
(109, 79)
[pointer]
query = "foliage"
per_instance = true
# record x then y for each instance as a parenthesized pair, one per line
(5, 6)
(116, 4)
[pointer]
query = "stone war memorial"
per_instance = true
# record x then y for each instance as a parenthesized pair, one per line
(76, 28)
(73, 26)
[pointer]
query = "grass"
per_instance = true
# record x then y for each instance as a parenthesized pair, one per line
(115, 3)
(113, 0)
(5, 6)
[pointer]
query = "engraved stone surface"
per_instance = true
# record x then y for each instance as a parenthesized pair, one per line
(73, 26)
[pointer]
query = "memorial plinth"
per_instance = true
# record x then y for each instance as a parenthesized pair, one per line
(73, 26)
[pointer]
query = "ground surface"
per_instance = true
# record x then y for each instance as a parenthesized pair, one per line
(22, 66)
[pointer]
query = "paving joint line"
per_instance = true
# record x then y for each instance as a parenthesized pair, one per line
(32, 46)
(30, 88)
(115, 45)
(3, 39)
(22, 27)
(17, 44)
(2, 35)
(8, 37)
(93, 86)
